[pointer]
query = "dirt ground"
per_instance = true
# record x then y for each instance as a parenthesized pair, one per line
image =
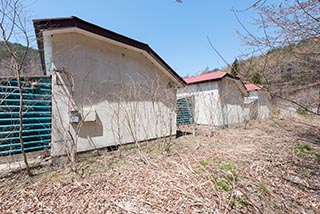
(269, 167)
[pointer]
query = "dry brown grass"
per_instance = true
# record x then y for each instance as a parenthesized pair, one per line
(270, 167)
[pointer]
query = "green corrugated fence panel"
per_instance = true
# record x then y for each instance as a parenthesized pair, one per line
(5, 94)
(25, 132)
(26, 137)
(36, 117)
(11, 108)
(26, 149)
(185, 109)
(9, 88)
(42, 101)
(25, 114)
(30, 120)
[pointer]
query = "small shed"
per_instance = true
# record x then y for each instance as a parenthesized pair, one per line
(107, 89)
(215, 99)
(257, 104)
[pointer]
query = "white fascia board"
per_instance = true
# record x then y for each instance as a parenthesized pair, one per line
(47, 46)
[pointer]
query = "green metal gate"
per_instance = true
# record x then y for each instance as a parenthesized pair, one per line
(36, 132)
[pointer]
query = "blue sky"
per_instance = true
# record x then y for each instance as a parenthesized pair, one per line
(177, 32)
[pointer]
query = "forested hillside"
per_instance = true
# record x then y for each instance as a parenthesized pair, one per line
(291, 72)
(32, 64)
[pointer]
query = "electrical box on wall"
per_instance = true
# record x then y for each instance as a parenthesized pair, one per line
(89, 114)
(75, 117)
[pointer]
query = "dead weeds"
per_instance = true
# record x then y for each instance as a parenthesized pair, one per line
(269, 167)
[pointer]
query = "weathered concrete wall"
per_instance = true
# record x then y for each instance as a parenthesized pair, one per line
(257, 105)
(232, 100)
(264, 105)
(122, 96)
(216, 103)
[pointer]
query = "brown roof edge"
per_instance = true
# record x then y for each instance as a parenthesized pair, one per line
(67, 22)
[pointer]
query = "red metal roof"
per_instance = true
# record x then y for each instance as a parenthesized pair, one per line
(205, 77)
(253, 87)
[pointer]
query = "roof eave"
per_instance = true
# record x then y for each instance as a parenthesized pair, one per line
(214, 80)
(41, 25)
(205, 81)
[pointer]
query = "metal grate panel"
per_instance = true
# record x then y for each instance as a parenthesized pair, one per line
(185, 111)
(36, 133)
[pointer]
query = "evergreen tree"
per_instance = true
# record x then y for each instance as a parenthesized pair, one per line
(235, 69)
(215, 69)
(206, 70)
(256, 78)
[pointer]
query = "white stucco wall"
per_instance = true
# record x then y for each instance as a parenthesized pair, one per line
(216, 103)
(207, 107)
(131, 99)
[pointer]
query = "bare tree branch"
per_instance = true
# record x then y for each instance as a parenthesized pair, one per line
(217, 52)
